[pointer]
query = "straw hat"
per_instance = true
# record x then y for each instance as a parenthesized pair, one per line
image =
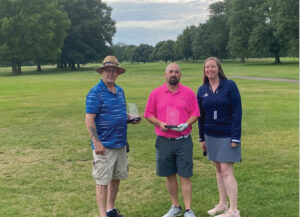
(110, 61)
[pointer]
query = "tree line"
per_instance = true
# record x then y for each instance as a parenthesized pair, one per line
(66, 32)
(235, 29)
(74, 32)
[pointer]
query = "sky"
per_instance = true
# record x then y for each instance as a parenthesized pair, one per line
(151, 21)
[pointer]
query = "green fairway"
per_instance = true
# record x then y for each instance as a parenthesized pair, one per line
(46, 158)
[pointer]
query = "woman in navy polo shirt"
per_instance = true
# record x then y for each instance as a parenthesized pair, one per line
(220, 131)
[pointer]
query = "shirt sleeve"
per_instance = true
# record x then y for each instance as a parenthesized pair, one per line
(92, 103)
(150, 109)
(236, 114)
(202, 117)
(194, 105)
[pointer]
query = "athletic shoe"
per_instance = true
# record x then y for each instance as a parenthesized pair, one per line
(189, 213)
(173, 211)
(113, 213)
(218, 208)
(230, 214)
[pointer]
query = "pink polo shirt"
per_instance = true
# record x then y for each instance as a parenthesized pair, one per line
(172, 108)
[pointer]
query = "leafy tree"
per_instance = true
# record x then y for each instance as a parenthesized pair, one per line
(166, 51)
(143, 52)
(30, 30)
(218, 29)
(284, 20)
(130, 53)
(90, 33)
(118, 50)
(183, 44)
(201, 44)
(240, 21)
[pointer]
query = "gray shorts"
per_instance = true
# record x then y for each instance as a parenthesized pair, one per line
(112, 165)
(174, 156)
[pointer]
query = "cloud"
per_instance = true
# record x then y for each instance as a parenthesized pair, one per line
(164, 18)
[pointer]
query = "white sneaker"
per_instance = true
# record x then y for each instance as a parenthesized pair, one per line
(173, 211)
(189, 213)
(230, 214)
(218, 208)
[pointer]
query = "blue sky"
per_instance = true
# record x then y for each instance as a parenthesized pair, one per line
(151, 21)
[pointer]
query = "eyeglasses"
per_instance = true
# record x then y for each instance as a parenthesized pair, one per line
(111, 71)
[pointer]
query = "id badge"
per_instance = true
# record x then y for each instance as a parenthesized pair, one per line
(215, 114)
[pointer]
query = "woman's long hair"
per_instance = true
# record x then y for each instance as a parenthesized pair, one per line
(221, 73)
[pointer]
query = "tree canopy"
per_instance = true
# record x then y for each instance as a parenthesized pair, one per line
(29, 33)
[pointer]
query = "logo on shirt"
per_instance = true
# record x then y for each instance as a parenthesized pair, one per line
(205, 95)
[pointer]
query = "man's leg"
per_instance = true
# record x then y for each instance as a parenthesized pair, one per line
(186, 189)
(101, 194)
(113, 189)
(173, 189)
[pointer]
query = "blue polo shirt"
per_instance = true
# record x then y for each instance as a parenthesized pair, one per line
(221, 111)
(111, 116)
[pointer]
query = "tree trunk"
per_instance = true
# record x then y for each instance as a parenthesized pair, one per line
(16, 69)
(38, 67)
(73, 66)
(277, 58)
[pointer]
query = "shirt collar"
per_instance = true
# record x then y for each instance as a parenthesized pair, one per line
(103, 86)
(165, 88)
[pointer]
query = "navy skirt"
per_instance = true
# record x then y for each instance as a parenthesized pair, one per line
(220, 150)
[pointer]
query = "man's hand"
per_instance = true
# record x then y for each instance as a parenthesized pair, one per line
(99, 148)
(162, 126)
(181, 127)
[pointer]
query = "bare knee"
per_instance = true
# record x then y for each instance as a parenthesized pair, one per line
(218, 168)
(185, 180)
(101, 188)
(226, 169)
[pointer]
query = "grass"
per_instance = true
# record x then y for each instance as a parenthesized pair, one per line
(45, 156)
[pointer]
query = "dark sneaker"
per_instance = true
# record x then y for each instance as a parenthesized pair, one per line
(113, 213)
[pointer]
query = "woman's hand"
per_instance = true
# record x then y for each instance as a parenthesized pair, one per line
(234, 144)
(203, 145)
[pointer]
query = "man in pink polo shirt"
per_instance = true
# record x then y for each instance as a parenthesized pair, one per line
(172, 108)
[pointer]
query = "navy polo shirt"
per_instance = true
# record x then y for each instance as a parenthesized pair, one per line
(111, 116)
(221, 111)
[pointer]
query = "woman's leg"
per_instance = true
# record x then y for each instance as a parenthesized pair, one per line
(230, 184)
(221, 186)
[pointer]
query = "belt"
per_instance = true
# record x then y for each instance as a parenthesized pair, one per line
(176, 138)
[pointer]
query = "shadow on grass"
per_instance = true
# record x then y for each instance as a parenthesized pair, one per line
(45, 71)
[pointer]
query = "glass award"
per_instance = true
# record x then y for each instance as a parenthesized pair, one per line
(172, 117)
(133, 113)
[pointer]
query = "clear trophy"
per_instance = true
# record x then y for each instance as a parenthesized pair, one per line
(172, 117)
(133, 113)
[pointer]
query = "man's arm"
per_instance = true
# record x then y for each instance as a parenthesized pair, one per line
(153, 120)
(91, 127)
(192, 120)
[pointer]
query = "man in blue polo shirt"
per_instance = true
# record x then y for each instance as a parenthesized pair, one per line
(106, 122)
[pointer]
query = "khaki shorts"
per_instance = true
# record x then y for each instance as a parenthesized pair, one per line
(112, 165)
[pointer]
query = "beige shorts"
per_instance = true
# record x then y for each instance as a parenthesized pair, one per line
(112, 165)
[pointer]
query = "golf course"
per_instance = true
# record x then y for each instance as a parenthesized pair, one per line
(46, 157)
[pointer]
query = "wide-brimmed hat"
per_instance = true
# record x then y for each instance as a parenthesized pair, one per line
(111, 61)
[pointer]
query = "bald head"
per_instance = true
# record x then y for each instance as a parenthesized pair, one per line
(173, 66)
(173, 74)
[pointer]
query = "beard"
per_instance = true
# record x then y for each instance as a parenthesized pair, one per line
(173, 81)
